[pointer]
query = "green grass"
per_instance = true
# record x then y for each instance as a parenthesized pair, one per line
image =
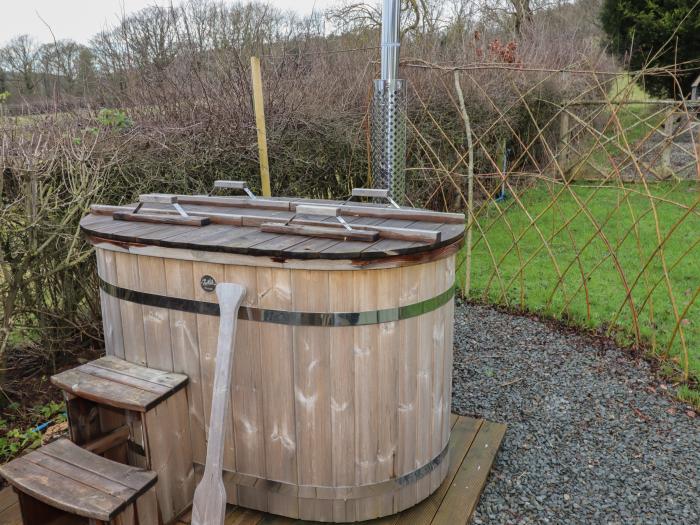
(630, 125)
(690, 396)
(537, 288)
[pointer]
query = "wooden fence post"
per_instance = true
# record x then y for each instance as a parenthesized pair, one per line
(666, 169)
(259, 106)
(564, 132)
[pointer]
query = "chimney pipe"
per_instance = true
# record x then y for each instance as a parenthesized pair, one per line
(391, 21)
(388, 133)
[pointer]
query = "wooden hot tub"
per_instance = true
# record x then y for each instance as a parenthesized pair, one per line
(340, 406)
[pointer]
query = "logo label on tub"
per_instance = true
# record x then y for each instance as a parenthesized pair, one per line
(208, 283)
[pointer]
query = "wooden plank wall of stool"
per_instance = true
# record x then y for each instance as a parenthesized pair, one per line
(111, 398)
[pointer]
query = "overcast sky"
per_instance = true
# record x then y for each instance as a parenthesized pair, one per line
(79, 20)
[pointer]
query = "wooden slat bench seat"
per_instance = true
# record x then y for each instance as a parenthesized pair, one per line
(61, 480)
(117, 383)
(134, 415)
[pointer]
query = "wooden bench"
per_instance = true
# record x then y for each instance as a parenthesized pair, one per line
(61, 483)
(137, 416)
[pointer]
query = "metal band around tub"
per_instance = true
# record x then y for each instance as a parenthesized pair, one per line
(263, 315)
(331, 493)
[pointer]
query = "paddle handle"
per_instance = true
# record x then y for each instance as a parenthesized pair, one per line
(209, 505)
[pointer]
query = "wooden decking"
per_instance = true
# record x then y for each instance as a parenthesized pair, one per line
(473, 447)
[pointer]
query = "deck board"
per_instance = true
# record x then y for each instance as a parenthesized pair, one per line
(474, 444)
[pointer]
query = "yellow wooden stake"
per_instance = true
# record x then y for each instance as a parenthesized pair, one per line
(259, 106)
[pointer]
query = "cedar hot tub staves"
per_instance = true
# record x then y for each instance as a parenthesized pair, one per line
(341, 395)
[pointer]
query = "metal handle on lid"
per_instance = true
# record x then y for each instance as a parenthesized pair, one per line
(324, 211)
(317, 209)
(374, 194)
(369, 192)
(160, 198)
(234, 185)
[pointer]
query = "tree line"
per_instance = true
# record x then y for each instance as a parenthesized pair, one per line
(148, 42)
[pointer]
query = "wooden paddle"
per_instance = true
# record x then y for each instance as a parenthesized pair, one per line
(209, 505)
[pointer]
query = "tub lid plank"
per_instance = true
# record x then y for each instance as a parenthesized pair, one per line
(235, 227)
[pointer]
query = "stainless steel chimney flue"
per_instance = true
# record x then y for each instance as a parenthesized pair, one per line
(391, 21)
(388, 133)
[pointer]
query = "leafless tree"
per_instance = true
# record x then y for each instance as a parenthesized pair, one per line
(19, 56)
(360, 16)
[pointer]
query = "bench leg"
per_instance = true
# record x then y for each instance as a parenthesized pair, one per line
(83, 419)
(35, 512)
(147, 508)
(142, 512)
(126, 517)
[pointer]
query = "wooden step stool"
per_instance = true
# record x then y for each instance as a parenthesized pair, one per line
(134, 415)
(61, 483)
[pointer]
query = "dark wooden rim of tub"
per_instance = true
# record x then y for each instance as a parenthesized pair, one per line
(249, 240)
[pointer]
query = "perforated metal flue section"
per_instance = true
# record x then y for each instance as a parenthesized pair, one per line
(388, 136)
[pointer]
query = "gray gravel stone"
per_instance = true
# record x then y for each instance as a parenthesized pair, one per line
(592, 435)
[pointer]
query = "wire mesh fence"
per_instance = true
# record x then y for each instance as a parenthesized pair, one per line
(588, 211)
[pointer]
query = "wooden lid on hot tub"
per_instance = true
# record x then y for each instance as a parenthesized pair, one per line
(276, 227)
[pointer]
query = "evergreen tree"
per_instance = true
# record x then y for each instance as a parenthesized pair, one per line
(656, 33)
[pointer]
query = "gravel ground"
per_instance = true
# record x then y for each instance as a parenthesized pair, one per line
(592, 436)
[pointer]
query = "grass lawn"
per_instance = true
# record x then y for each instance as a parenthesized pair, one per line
(546, 277)
(632, 124)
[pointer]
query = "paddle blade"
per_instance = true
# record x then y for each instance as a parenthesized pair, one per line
(209, 504)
